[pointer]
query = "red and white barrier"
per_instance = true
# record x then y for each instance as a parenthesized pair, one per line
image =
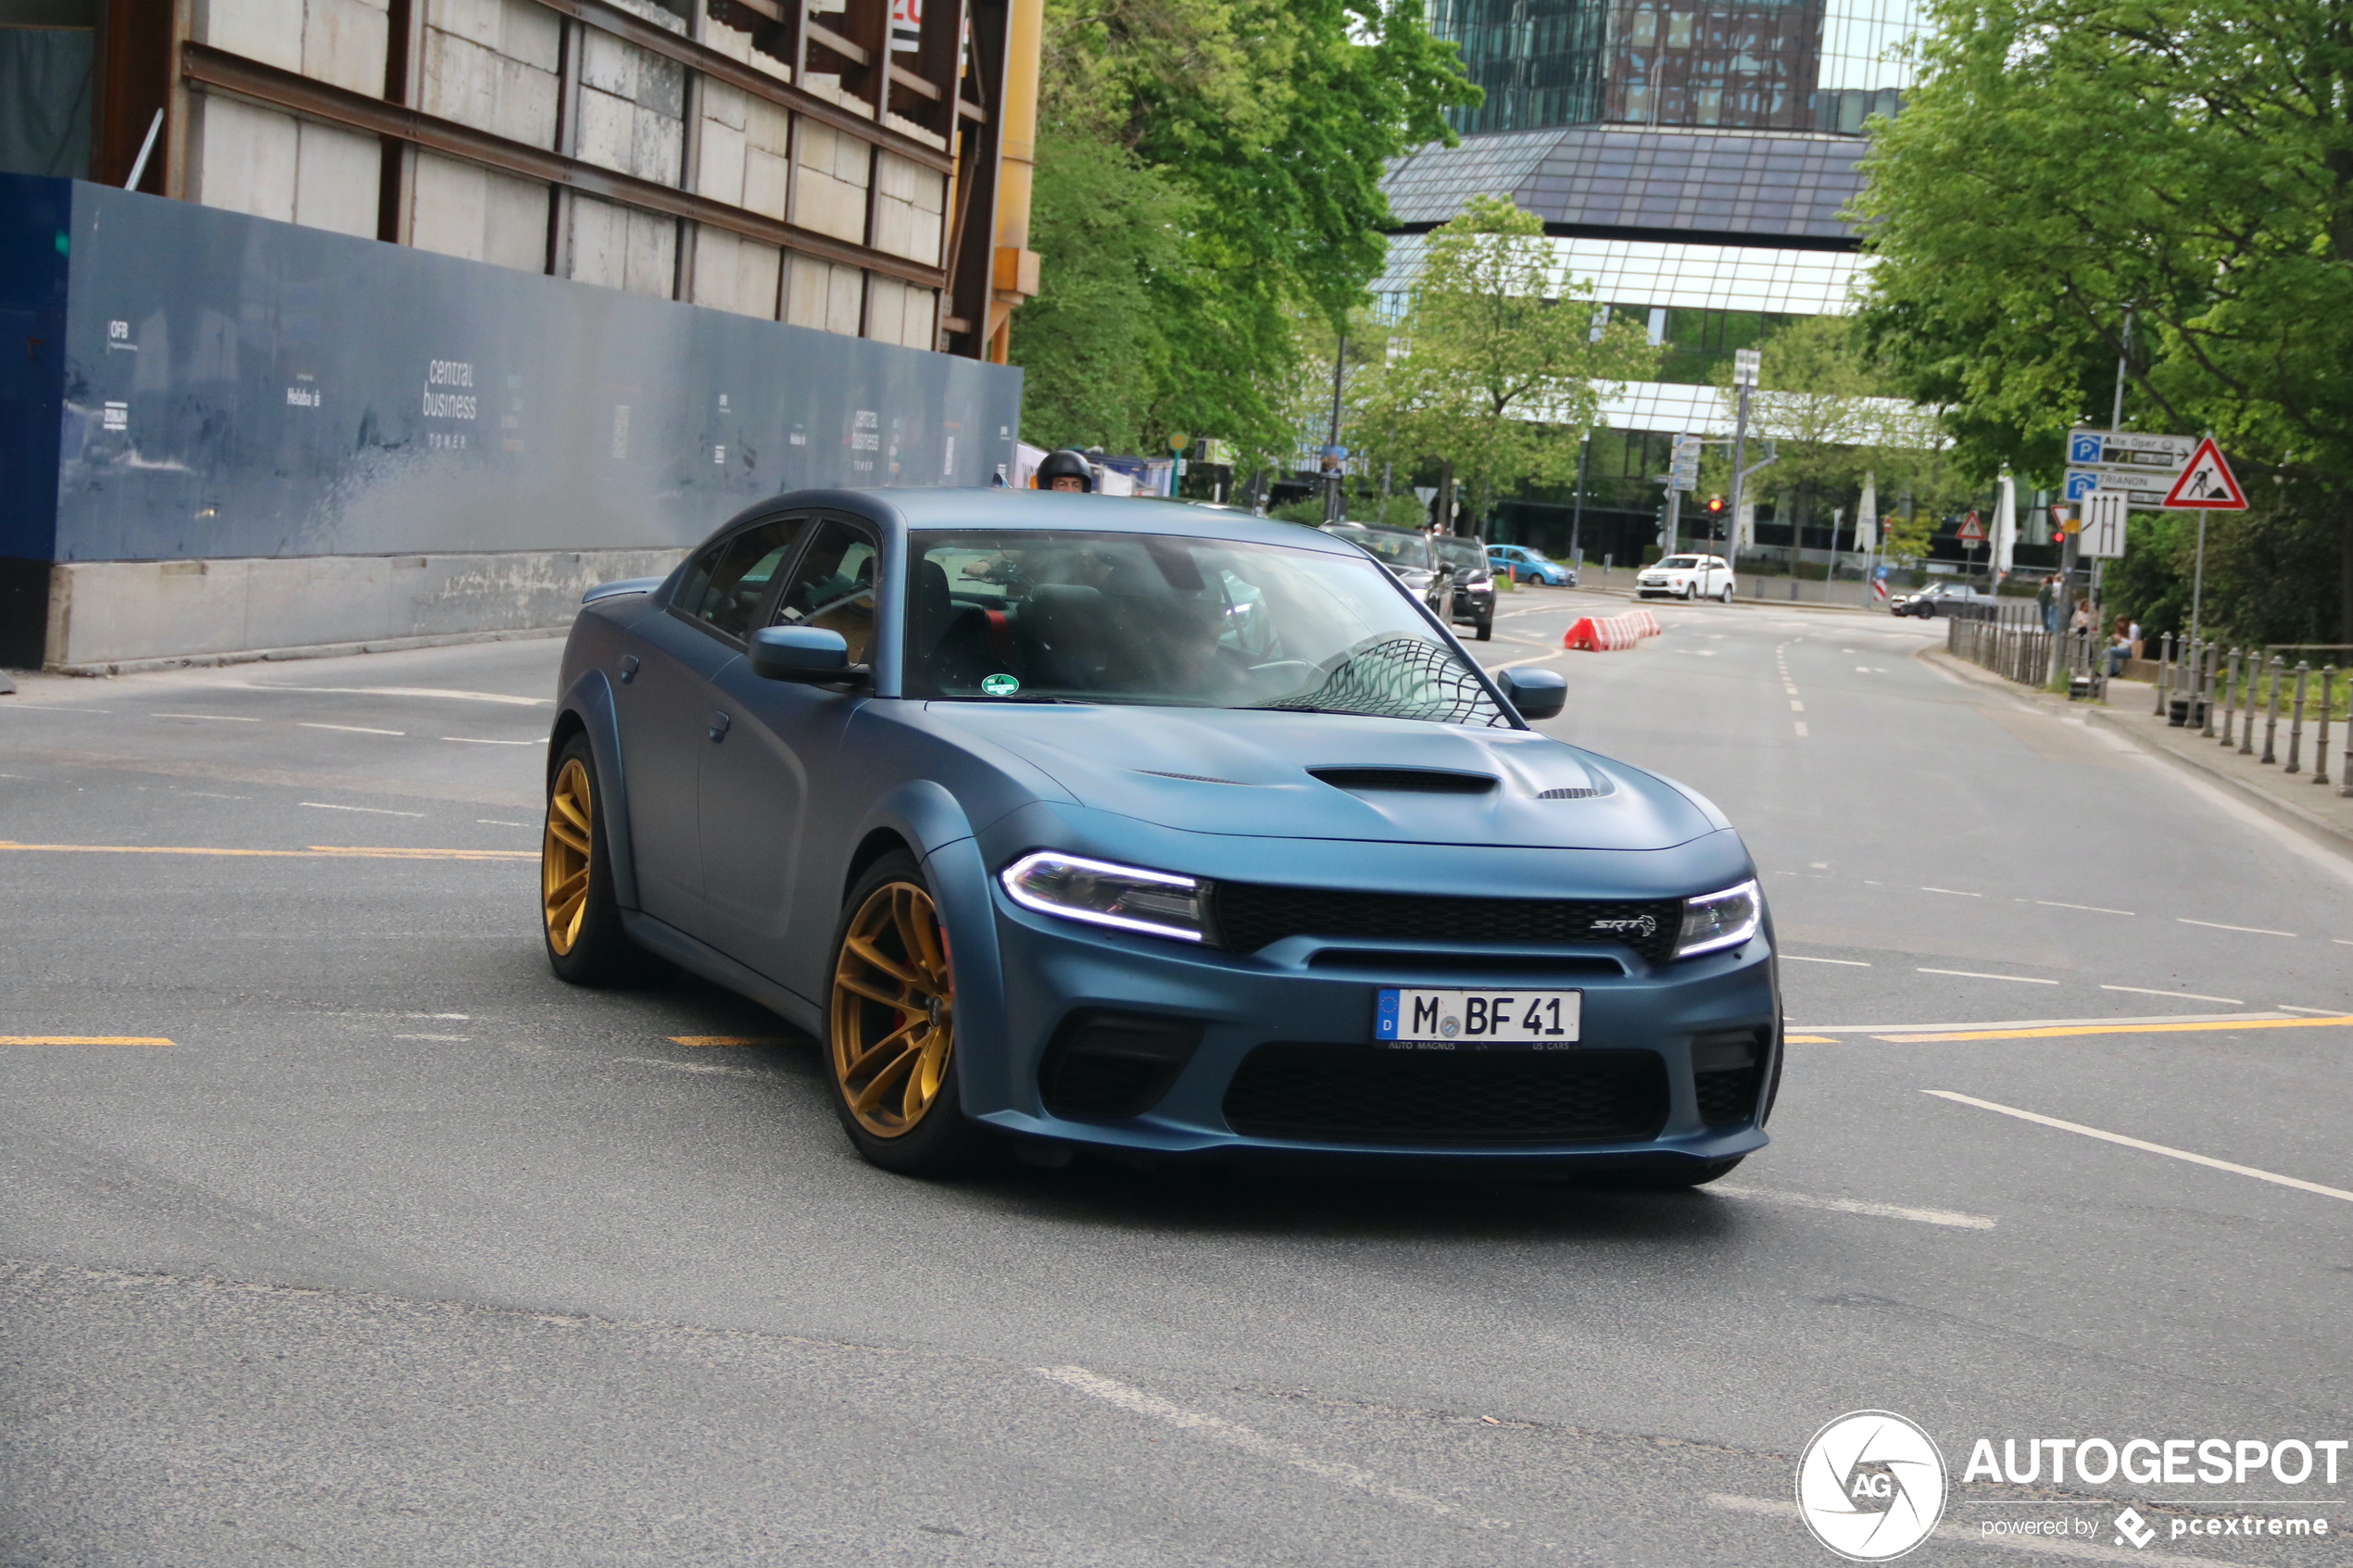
(1606, 633)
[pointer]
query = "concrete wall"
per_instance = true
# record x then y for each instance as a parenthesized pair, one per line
(108, 616)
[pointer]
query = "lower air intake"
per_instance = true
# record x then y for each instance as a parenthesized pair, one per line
(1365, 1094)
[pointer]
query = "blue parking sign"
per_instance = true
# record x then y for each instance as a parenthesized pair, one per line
(2083, 447)
(2080, 484)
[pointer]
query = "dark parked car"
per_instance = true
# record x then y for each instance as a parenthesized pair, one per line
(1066, 822)
(1474, 583)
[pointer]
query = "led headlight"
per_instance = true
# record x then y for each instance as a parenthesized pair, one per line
(1720, 920)
(1101, 894)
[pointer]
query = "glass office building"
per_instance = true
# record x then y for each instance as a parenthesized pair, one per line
(1756, 65)
(1694, 162)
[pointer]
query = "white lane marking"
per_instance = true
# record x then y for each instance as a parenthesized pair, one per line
(1850, 964)
(1795, 706)
(494, 822)
(53, 708)
(1954, 891)
(2087, 909)
(2027, 1024)
(2316, 1012)
(2048, 1545)
(2206, 1159)
(476, 740)
(1861, 669)
(404, 691)
(1974, 974)
(2217, 926)
(2186, 995)
(1853, 1206)
(206, 794)
(451, 1038)
(442, 1017)
(1801, 726)
(348, 729)
(1217, 1429)
(371, 810)
(1519, 663)
(216, 718)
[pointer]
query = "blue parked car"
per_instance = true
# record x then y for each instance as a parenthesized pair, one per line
(1526, 564)
(1156, 830)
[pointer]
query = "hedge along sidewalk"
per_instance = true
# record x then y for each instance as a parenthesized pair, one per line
(2293, 798)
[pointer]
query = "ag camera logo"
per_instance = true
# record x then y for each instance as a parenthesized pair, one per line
(1870, 1486)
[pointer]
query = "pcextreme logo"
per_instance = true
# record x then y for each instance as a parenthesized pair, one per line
(1870, 1486)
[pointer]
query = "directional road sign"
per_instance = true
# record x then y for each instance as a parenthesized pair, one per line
(1683, 468)
(2206, 482)
(2103, 515)
(2143, 464)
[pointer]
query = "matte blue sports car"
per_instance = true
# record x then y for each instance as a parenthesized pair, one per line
(1068, 821)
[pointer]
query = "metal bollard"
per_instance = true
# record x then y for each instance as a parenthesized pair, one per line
(2205, 686)
(2230, 695)
(2296, 720)
(2164, 666)
(2320, 742)
(2250, 699)
(2278, 671)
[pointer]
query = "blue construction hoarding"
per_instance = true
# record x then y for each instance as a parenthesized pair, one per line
(186, 383)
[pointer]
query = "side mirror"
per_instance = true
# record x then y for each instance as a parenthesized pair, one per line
(799, 653)
(1537, 694)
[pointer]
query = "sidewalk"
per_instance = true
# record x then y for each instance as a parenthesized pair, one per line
(2293, 798)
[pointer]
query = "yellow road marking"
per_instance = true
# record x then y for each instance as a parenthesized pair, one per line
(2200, 1028)
(729, 1040)
(2206, 1159)
(1810, 1039)
(81, 1040)
(316, 851)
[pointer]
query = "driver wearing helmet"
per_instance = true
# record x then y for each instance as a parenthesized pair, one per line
(1067, 470)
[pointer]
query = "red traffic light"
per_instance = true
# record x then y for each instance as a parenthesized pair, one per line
(1714, 504)
(2059, 538)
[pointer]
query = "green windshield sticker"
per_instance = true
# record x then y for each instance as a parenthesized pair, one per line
(1000, 685)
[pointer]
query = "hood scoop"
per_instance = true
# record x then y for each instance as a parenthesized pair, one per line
(1406, 781)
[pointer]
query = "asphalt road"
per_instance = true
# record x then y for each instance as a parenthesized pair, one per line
(399, 1251)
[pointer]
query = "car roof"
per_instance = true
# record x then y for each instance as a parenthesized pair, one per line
(1053, 511)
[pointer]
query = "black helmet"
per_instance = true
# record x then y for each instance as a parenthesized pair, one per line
(1065, 464)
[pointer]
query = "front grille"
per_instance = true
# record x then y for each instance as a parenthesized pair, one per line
(1336, 1094)
(1725, 1097)
(1249, 915)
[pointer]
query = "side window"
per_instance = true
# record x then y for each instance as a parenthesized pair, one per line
(725, 587)
(834, 588)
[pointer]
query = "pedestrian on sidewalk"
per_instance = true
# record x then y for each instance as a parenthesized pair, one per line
(2047, 600)
(2119, 646)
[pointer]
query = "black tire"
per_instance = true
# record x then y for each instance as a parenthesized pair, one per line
(937, 1139)
(1485, 628)
(585, 940)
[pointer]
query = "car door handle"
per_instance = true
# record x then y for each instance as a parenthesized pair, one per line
(628, 668)
(719, 725)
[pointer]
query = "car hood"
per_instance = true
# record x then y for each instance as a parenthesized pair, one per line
(1256, 774)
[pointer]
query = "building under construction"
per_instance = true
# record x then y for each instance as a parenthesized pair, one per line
(365, 321)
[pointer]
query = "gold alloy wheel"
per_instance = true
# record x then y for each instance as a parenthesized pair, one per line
(564, 854)
(893, 1011)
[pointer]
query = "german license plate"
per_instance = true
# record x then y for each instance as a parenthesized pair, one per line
(1469, 1019)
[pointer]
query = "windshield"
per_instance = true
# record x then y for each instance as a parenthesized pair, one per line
(1165, 621)
(1685, 562)
(1410, 551)
(1464, 555)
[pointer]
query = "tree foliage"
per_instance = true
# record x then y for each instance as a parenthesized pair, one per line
(1209, 173)
(1493, 367)
(2063, 161)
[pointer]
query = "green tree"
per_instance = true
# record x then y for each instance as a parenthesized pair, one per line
(2064, 162)
(1495, 366)
(1248, 135)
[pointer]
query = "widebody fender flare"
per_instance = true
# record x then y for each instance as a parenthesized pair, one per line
(591, 700)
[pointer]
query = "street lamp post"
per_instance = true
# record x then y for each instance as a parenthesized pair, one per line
(1747, 365)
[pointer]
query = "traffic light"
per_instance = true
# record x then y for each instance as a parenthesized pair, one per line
(1716, 505)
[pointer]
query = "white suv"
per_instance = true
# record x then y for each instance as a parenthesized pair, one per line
(1687, 577)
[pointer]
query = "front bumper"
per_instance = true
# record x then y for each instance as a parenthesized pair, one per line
(1053, 969)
